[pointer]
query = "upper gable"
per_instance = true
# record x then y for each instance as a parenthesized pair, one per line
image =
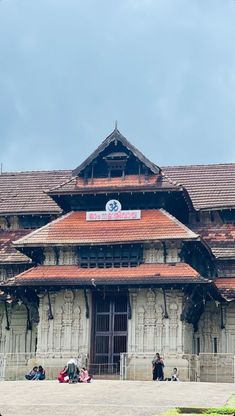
(116, 157)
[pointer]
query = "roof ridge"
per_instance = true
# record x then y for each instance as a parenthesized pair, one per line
(61, 184)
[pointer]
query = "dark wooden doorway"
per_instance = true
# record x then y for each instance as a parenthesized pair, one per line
(110, 321)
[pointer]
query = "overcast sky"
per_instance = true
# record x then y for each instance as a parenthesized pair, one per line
(165, 69)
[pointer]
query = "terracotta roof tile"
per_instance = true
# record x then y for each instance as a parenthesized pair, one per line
(209, 186)
(76, 184)
(220, 238)
(25, 192)
(145, 273)
(8, 254)
(226, 287)
(74, 229)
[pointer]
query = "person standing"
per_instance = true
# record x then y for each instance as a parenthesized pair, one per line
(158, 366)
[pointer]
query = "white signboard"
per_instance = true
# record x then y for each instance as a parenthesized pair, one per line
(111, 216)
(113, 212)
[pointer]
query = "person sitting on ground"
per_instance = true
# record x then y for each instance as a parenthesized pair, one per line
(32, 373)
(175, 375)
(63, 375)
(40, 374)
(84, 376)
(73, 371)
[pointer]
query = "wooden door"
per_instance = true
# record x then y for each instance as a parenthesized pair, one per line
(110, 332)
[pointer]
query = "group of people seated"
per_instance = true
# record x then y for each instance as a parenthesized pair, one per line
(72, 374)
(37, 373)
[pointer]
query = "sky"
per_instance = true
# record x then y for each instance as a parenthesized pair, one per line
(164, 69)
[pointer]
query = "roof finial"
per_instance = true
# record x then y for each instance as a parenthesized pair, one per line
(115, 125)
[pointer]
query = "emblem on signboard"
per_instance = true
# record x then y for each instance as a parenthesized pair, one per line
(113, 206)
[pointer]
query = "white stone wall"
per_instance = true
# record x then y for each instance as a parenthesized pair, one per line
(155, 254)
(149, 330)
(210, 328)
(69, 331)
(66, 256)
(18, 339)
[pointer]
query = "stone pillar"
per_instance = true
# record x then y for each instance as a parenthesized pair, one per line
(159, 328)
(51, 323)
(150, 321)
(43, 325)
(67, 320)
(132, 323)
(140, 328)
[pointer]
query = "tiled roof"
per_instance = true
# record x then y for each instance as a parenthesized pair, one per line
(74, 229)
(129, 182)
(8, 254)
(145, 273)
(220, 238)
(25, 192)
(209, 186)
(226, 287)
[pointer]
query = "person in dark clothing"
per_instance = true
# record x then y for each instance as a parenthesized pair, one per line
(31, 374)
(73, 371)
(158, 366)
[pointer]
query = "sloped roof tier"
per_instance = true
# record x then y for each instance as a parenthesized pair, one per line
(8, 253)
(157, 182)
(75, 275)
(209, 186)
(74, 229)
(226, 287)
(25, 192)
(220, 238)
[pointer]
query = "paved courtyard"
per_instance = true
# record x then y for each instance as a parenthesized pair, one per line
(106, 397)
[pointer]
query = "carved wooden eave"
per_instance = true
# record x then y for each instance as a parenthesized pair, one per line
(116, 136)
(196, 300)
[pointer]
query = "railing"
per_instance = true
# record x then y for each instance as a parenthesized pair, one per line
(133, 366)
(15, 366)
(203, 367)
(104, 370)
(218, 368)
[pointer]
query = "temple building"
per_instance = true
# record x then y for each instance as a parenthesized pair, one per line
(118, 255)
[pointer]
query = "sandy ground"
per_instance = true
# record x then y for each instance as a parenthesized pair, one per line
(106, 397)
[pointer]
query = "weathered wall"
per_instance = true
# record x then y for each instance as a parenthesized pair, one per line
(69, 331)
(18, 339)
(149, 330)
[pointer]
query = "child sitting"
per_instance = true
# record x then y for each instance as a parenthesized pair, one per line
(84, 376)
(175, 375)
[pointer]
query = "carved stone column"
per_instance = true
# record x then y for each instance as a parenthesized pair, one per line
(159, 328)
(173, 326)
(76, 329)
(132, 323)
(140, 328)
(150, 321)
(43, 325)
(67, 320)
(51, 323)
